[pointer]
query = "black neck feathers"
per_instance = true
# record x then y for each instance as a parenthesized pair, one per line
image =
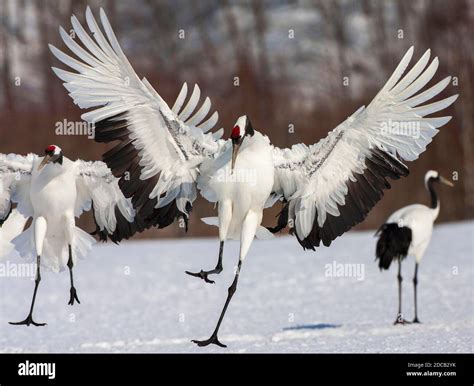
(58, 160)
(249, 128)
(433, 195)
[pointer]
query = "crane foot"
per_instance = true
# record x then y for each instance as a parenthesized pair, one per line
(203, 275)
(73, 296)
(212, 340)
(29, 320)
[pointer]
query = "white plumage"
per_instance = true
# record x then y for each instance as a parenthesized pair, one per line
(166, 152)
(9, 229)
(419, 218)
(407, 232)
(53, 191)
(59, 193)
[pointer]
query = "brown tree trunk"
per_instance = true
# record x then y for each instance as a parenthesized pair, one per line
(6, 76)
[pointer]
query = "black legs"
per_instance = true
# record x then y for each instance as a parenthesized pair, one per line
(204, 274)
(415, 283)
(73, 293)
(213, 339)
(29, 319)
(400, 319)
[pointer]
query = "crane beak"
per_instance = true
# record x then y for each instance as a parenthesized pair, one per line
(46, 159)
(235, 150)
(445, 181)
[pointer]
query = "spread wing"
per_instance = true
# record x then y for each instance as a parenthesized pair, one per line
(15, 178)
(330, 186)
(97, 189)
(9, 229)
(159, 148)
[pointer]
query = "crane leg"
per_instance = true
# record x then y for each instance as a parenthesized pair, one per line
(230, 292)
(40, 226)
(204, 274)
(72, 291)
(225, 217)
(252, 220)
(400, 319)
(29, 319)
(415, 283)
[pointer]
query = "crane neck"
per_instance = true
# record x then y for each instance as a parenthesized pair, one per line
(433, 195)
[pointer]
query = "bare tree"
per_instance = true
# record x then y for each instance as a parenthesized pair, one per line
(6, 76)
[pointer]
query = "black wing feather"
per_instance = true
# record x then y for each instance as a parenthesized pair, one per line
(362, 195)
(124, 161)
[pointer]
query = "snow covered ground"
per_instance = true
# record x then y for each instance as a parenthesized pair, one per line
(137, 298)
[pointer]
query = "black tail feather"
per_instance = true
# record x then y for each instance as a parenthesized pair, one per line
(394, 242)
(282, 219)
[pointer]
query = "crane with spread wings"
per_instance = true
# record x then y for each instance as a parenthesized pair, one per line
(52, 190)
(165, 154)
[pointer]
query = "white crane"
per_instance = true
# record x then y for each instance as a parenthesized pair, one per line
(164, 153)
(408, 232)
(10, 227)
(53, 190)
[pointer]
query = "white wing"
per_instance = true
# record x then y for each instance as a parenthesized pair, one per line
(332, 185)
(9, 229)
(160, 147)
(98, 189)
(15, 178)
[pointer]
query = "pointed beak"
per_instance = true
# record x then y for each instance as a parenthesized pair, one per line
(235, 150)
(44, 162)
(445, 181)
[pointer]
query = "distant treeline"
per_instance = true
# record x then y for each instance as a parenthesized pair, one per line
(297, 68)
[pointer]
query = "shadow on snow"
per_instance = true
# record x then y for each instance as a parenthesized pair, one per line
(319, 326)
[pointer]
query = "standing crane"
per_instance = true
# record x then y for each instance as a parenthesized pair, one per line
(408, 231)
(53, 190)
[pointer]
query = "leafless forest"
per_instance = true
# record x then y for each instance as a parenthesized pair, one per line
(297, 68)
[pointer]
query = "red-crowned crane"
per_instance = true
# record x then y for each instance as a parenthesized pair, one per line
(165, 154)
(408, 232)
(53, 190)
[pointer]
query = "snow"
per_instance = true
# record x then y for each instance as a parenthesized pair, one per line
(136, 298)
